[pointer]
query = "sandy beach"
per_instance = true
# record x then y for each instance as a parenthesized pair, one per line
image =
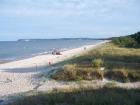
(16, 77)
(25, 75)
(45, 60)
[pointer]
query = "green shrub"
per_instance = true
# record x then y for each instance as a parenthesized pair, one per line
(136, 36)
(97, 63)
(125, 42)
(130, 41)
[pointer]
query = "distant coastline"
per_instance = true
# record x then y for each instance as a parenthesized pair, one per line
(64, 39)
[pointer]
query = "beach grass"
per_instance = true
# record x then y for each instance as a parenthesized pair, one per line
(121, 64)
(101, 96)
(111, 53)
(74, 72)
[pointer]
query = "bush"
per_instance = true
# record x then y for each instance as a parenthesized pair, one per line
(97, 63)
(136, 36)
(125, 42)
(130, 41)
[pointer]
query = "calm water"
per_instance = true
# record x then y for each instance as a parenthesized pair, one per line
(11, 50)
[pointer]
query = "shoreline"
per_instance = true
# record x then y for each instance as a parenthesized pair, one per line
(46, 60)
(18, 76)
(45, 51)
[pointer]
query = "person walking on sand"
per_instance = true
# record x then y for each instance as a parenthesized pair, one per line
(50, 63)
(85, 48)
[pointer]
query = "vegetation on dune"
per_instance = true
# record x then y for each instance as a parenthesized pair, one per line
(74, 72)
(103, 96)
(97, 63)
(123, 75)
(125, 42)
(120, 63)
(136, 36)
(131, 41)
(114, 57)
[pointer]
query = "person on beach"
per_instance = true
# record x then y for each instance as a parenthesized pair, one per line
(56, 52)
(85, 48)
(50, 63)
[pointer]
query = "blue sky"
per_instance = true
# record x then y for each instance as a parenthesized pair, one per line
(68, 18)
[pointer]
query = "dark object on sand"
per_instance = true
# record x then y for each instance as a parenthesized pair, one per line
(56, 52)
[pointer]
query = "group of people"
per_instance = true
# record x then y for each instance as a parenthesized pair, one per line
(56, 52)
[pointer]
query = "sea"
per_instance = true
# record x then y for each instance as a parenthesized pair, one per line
(15, 50)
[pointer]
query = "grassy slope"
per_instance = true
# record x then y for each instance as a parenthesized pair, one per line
(104, 96)
(121, 64)
(117, 57)
(111, 53)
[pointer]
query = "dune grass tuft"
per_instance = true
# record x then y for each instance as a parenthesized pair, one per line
(74, 72)
(97, 63)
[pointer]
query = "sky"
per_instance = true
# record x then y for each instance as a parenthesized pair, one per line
(22, 19)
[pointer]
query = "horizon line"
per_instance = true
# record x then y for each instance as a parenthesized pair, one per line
(56, 38)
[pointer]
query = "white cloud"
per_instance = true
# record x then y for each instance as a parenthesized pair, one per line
(47, 7)
(70, 16)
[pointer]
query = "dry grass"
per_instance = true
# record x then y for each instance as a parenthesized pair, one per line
(121, 64)
(113, 57)
(102, 96)
(123, 75)
(74, 72)
(78, 73)
(110, 52)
